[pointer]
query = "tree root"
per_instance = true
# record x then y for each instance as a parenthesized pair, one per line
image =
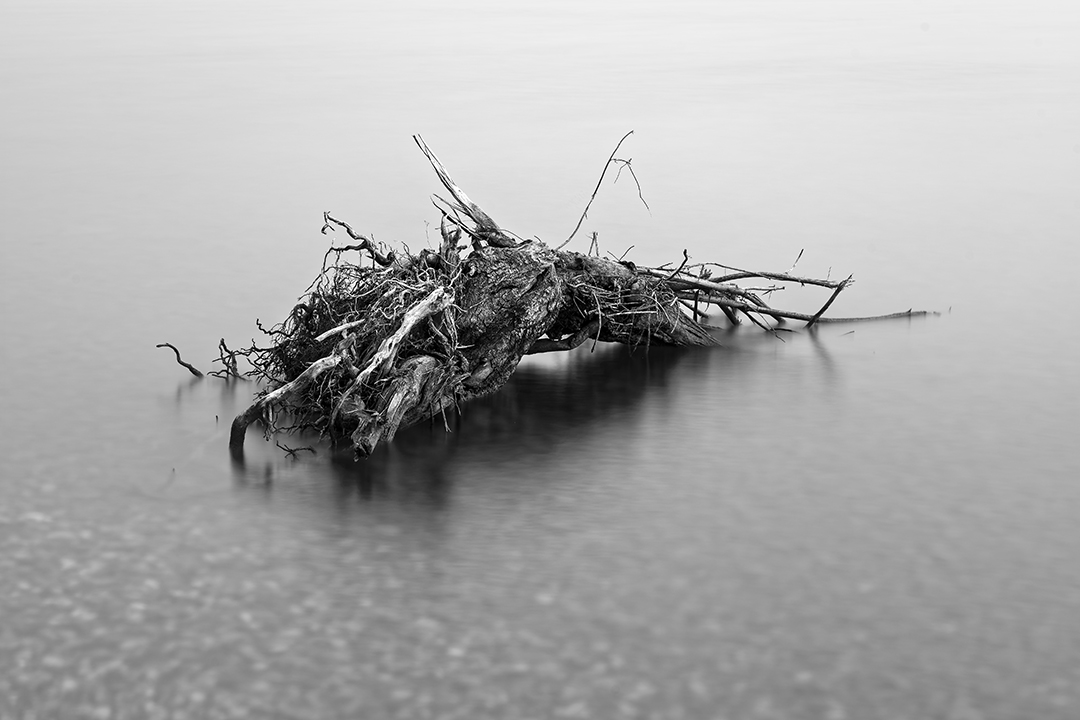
(369, 350)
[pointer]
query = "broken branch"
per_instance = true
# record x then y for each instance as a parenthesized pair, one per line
(191, 368)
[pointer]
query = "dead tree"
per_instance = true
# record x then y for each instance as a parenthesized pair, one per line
(373, 348)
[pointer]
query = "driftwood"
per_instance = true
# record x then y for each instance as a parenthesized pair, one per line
(371, 349)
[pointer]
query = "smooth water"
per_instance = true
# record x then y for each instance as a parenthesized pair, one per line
(870, 521)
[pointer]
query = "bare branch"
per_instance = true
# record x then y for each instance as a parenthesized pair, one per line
(747, 307)
(191, 368)
(784, 277)
(365, 243)
(685, 259)
(792, 268)
(227, 358)
(689, 281)
(585, 213)
(817, 315)
(626, 164)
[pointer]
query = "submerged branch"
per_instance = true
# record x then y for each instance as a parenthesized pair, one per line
(191, 368)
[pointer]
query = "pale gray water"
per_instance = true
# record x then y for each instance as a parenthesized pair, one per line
(878, 524)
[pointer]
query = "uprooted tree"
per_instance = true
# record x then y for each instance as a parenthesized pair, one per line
(371, 349)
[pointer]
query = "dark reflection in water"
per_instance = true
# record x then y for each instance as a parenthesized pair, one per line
(537, 411)
(547, 405)
(577, 414)
(875, 524)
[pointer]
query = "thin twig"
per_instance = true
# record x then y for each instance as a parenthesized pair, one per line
(228, 360)
(365, 243)
(685, 259)
(744, 306)
(693, 282)
(585, 213)
(626, 164)
(740, 274)
(792, 268)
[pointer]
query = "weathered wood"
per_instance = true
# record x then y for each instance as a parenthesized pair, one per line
(509, 299)
(370, 350)
(297, 385)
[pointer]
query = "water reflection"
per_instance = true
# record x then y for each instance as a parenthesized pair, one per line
(549, 405)
(560, 417)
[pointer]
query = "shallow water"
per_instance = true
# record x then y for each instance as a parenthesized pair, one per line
(871, 521)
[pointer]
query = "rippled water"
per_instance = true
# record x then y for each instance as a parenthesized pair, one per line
(871, 521)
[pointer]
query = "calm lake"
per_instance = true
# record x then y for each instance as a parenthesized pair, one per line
(872, 521)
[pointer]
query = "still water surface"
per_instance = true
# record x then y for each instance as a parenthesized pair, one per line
(877, 521)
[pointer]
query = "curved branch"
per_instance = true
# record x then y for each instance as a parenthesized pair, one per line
(365, 243)
(253, 413)
(191, 368)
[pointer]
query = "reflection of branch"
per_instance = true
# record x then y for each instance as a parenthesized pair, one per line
(191, 368)
(293, 451)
